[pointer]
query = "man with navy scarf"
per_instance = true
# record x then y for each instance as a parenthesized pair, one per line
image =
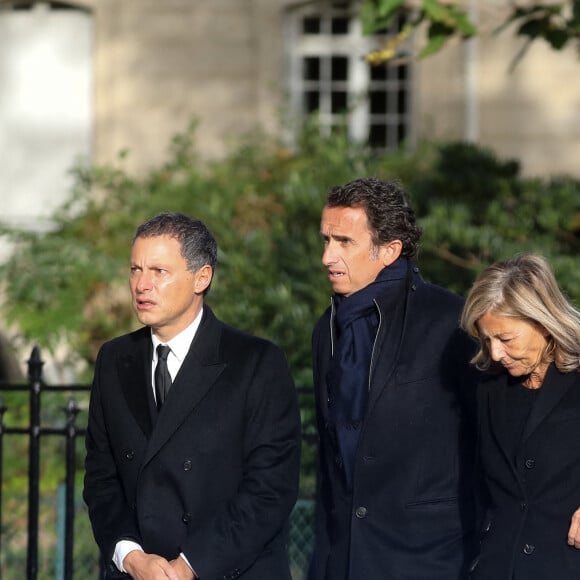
(395, 399)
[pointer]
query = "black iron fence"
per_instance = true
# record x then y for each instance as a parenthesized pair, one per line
(44, 532)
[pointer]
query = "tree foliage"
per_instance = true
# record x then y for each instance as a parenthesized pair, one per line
(445, 19)
(263, 204)
(555, 21)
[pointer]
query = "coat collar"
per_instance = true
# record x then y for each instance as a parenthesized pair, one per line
(393, 310)
(199, 370)
(555, 387)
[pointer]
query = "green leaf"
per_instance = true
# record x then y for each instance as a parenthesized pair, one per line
(463, 23)
(386, 8)
(437, 11)
(437, 35)
(376, 17)
(557, 38)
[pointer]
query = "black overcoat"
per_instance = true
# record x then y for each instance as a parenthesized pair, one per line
(410, 514)
(531, 498)
(215, 474)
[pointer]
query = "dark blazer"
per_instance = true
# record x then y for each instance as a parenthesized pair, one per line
(410, 513)
(531, 500)
(215, 474)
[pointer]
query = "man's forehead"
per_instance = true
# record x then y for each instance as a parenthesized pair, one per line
(337, 219)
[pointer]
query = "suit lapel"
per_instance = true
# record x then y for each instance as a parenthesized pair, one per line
(134, 370)
(200, 369)
(555, 386)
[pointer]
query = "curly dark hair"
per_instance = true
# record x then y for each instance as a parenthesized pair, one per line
(389, 214)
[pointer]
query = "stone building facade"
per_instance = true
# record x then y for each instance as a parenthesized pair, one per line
(144, 68)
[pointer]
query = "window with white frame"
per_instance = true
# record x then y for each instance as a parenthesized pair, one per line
(330, 76)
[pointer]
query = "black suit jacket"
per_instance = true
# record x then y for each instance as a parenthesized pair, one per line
(410, 514)
(531, 499)
(215, 474)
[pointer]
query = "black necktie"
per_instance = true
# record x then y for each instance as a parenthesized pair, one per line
(162, 376)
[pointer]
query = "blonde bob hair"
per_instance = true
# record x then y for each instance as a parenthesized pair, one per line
(524, 288)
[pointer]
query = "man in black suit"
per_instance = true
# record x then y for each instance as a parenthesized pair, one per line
(194, 432)
(395, 401)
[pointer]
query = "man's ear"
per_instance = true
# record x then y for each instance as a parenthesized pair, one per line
(202, 279)
(391, 251)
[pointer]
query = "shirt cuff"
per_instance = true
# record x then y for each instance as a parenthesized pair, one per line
(122, 548)
(182, 555)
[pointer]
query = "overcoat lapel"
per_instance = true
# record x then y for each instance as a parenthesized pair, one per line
(324, 347)
(200, 369)
(135, 378)
(497, 413)
(555, 386)
(394, 310)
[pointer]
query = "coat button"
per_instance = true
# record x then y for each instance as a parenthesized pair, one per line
(361, 512)
(186, 518)
(129, 454)
(530, 463)
(529, 548)
(523, 506)
(187, 465)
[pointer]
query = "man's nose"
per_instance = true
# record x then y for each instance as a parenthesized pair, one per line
(328, 256)
(143, 282)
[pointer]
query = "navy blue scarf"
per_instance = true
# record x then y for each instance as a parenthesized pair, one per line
(356, 322)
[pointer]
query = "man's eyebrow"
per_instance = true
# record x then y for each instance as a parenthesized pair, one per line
(337, 237)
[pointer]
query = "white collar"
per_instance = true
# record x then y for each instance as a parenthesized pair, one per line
(181, 342)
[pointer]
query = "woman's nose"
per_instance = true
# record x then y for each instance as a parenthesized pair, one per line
(496, 350)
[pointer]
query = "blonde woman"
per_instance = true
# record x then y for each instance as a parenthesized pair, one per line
(529, 421)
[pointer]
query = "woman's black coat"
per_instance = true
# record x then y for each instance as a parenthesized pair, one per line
(531, 499)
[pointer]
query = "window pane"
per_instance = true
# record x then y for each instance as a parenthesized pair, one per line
(339, 102)
(339, 68)
(378, 72)
(311, 101)
(378, 136)
(377, 102)
(311, 25)
(402, 101)
(402, 132)
(339, 25)
(311, 68)
(402, 72)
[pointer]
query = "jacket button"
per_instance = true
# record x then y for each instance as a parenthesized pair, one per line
(129, 454)
(530, 463)
(361, 512)
(524, 506)
(186, 518)
(415, 269)
(187, 465)
(529, 548)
